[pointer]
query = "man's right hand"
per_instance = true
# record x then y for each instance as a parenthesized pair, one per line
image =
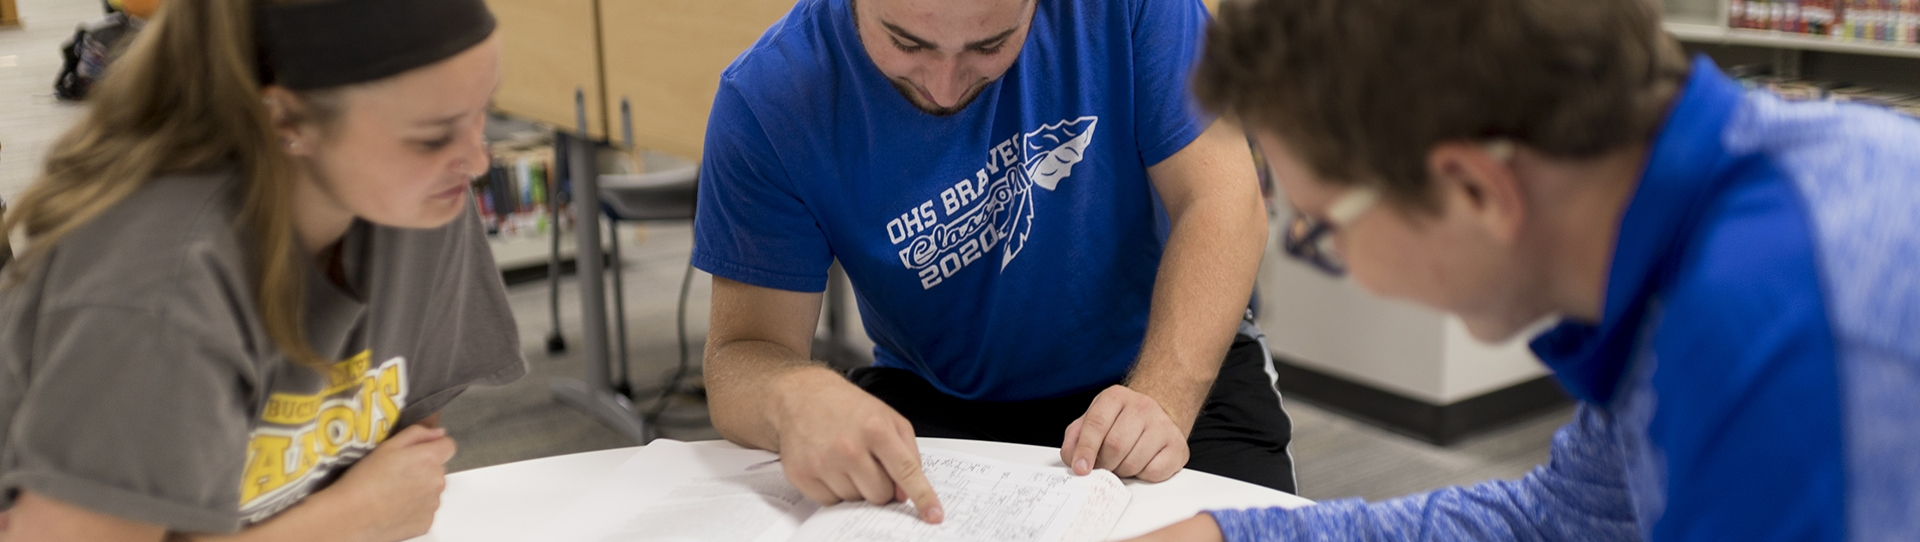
(838, 444)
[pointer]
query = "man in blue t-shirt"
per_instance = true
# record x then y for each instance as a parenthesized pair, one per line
(1734, 274)
(1050, 245)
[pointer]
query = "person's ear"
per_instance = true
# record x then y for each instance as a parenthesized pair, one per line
(1478, 178)
(286, 114)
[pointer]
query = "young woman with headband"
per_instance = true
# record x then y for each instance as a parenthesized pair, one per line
(254, 275)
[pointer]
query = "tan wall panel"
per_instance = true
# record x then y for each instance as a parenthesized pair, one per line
(666, 56)
(547, 49)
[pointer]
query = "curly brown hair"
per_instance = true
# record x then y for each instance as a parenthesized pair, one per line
(1362, 90)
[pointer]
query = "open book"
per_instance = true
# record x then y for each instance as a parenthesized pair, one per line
(673, 491)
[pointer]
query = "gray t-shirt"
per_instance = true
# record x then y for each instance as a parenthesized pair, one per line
(137, 380)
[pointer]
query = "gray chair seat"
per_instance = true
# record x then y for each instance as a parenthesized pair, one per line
(660, 195)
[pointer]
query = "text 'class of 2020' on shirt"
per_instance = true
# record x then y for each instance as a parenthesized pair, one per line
(674, 491)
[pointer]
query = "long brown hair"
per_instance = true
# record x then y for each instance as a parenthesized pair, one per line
(186, 97)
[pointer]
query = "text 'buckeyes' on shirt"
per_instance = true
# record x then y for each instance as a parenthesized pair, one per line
(304, 438)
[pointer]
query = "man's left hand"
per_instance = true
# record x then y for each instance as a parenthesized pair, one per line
(1127, 432)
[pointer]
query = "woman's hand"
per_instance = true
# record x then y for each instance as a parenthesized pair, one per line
(389, 495)
(394, 491)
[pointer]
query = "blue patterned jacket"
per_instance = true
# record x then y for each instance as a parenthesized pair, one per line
(1756, 372)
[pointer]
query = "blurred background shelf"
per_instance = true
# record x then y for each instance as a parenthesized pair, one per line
(1712, 34)
(1712, 27)
(524, 252)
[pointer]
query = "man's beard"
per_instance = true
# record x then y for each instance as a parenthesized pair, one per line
(913, 96)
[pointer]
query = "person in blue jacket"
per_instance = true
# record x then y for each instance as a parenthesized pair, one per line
(1737, 277)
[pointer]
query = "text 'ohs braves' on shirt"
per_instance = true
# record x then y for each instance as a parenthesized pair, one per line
(976, 214)
(999, 279)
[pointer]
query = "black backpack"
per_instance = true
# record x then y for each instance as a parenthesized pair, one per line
(94, 45)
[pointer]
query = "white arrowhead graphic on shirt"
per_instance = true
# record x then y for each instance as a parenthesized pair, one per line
(1050, 153)
(1052, 150)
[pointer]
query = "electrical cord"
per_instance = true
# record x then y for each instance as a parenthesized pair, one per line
(680, 327)
(673, 417)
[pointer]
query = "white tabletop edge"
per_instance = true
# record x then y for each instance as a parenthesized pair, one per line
(504, 503)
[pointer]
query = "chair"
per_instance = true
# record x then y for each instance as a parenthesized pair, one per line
(670, 195)
(656, 196)
(661, 196)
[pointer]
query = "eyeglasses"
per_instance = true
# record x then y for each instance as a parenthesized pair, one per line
(1310, 239)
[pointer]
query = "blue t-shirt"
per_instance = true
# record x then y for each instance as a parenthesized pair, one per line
(1006, 252)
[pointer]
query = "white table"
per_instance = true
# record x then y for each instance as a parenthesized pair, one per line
(504, 503)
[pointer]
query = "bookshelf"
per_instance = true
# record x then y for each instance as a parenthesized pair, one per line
(1720, 34)
(1847, 50)
(517, 253)
(513, 198)
(1714, 22)
(524, 252)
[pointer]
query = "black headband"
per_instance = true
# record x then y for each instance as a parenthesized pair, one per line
(329, 43)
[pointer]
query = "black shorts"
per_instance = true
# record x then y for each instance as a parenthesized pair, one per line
(1242, 431)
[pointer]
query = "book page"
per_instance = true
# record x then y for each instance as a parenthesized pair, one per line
(759, 507)
(985, 500)
(674, 492)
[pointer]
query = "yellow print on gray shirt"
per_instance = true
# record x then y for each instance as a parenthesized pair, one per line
(303, 439)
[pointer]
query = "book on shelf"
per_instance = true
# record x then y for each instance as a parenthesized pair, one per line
(514, 196)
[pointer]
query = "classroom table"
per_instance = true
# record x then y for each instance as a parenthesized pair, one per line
(504, 503)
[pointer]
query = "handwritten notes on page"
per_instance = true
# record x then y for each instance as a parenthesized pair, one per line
(677, 492)
(985, 500)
